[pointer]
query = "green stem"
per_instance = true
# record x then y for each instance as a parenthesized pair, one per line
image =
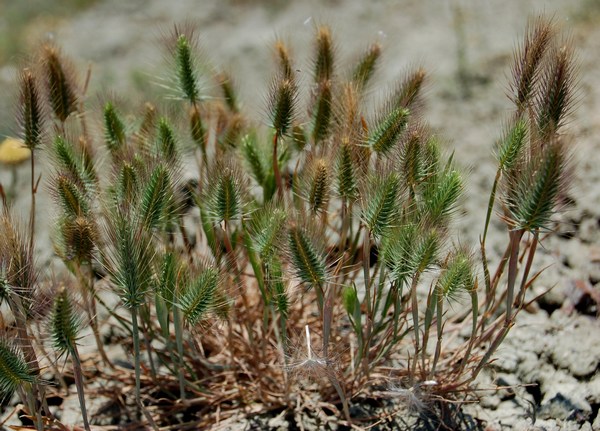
(276, 173)
(177, 323)
(136, 354)
(488, 217)
(78, 376)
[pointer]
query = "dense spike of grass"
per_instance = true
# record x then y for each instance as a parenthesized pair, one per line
(510, 148)
(132, 261)
(365, 69)
(60, 83)
(284, 61)
(16, 259)
(527, 59)
(309, 263)
(266, 229)
(398, 252)
(299, 137)
(31, 115)
(114, 129)
(128, 183)
(73, 202)
(407, 93)
(441, 194)
(155, 197)
(225, 199)
(555, 98)
(381, 207)
(457, 275)
(282, 105)
(318, 194)
(324, 55)
(347, 182)
(322, 112)
(533, 195)
(64, 322)
(199, 296)
(14, 370)
(80, 237)
(167, 142)
(411, 163)
(186, 73)
(387, 132)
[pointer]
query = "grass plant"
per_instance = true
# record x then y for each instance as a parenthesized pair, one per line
(315, 254)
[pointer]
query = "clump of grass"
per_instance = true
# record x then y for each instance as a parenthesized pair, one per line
(331, 229)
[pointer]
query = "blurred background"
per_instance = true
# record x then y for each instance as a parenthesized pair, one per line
(465, 46)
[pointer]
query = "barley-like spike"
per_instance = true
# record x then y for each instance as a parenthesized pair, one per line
(309, 263)
(534, 193)
(398, 252)
(64, 322)
(425, 253)
(80, 236)
(70, 197)
(114, 129)
(132, 260)
(16, 258)
(411, 163)
(155, 197)
(511, 147)
(31, 116)
(347, 184)
(284, 60)
(441, 194)
(282, 105)
(199, 296)
(67, 159)
(167, 143)
(380, 208)
(14, 370)
(407, 93)
(555, 99)
(364, 70)
(60, 83)
(527, 59)
(386, 134)
(266, 228)
(186, 72)
(225, 198)
(318, 195)
(324, 57)
(128, 183)
(322, 112)
(457, 275)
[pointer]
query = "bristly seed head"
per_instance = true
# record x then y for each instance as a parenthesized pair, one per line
(31, 116)
(60, 81)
